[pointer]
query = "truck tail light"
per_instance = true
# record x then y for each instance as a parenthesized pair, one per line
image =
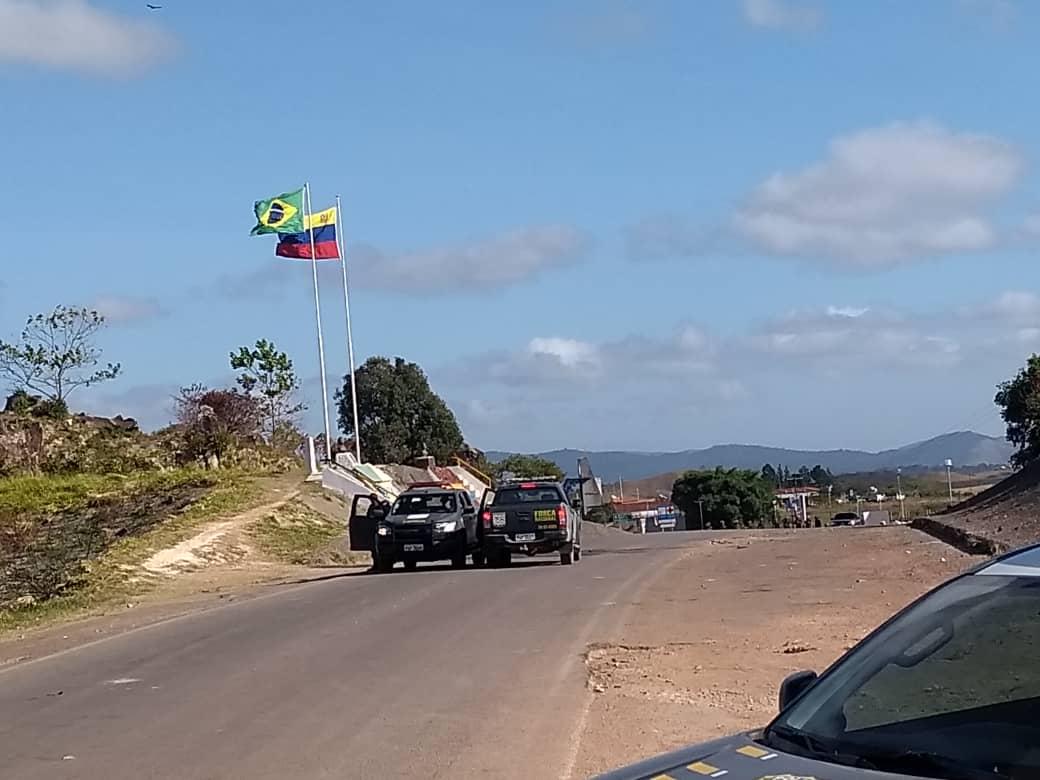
(485, 516)
(561, 516)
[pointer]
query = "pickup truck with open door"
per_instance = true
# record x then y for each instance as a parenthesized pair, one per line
(427, 522)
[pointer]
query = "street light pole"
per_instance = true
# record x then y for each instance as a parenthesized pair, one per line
(899, 491)
(949, 477)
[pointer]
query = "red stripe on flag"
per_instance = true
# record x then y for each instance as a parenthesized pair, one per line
(325, 250)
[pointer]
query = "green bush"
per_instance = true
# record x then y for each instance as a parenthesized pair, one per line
(51, 409)
(20, 402)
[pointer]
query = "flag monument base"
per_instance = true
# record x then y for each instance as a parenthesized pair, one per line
(312, 461)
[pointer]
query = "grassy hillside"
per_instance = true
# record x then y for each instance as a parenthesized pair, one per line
(74, 542)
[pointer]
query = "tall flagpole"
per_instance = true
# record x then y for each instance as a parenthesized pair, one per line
(350, 336)
(317, 317)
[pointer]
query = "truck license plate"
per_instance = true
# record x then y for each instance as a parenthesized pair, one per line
(413, 548)
(525, 537)
(498, 519)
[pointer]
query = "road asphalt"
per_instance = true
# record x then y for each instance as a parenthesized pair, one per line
(432, 673)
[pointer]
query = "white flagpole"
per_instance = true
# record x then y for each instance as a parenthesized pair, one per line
(350, 336)
(317, 316)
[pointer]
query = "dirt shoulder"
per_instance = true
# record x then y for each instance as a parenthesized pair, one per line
(706, 646)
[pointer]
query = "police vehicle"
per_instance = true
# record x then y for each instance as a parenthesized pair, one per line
(530, 516)
(948, 688)
(430, 521)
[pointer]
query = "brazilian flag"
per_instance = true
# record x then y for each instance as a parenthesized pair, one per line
(280, 214)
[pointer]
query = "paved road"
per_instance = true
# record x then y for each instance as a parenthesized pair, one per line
(435, 673)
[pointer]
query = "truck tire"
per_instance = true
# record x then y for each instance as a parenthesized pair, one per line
(411, 564)
(567, 558)
(479, 559)
(383, 564)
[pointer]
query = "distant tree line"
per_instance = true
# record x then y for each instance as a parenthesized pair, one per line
(781, 476)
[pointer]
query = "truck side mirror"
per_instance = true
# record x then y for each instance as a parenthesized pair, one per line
(794, 686)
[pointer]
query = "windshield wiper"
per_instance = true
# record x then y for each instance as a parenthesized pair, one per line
(930, 764)
(800, 738)
(812, 746)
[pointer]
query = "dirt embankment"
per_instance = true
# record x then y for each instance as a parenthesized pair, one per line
(707, 645)
(1001, 518)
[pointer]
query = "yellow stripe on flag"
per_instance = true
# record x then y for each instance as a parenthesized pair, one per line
(320, 219)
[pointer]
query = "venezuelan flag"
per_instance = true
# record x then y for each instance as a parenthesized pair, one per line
(298, 245)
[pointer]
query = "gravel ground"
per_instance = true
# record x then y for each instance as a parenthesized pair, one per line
(708, 643)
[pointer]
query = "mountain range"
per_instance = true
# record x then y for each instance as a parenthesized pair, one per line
(964, 448)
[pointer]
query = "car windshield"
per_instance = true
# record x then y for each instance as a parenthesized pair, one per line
(425, 503)
(530, 495)
(956, 676)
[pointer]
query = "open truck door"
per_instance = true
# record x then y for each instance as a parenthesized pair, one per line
(362, 524)
(484, 521)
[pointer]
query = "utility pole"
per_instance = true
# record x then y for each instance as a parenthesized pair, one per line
(700, 509)
(949, 477)
(900, 496)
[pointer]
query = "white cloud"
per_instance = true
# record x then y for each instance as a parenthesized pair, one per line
(562, 365)
(782, 15)
(499, 261)
(934, 370)
(569, 353)
(846, 311)
(74, 35)
(122, 309)
(871, 339)
(885, 195)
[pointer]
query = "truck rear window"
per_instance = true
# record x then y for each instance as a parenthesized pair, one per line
(535, 495)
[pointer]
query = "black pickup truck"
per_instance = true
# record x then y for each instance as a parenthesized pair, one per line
(427, 522)
(530, 516)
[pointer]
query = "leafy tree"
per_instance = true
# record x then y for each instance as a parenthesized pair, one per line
(268, 375)
(1019, 402)
(212, 422)
(730, 498)
(400, 417)
(821, 477)
(57, 353)
(527, 466)
(769, 475)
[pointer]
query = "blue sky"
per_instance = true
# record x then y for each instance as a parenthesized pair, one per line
(613, 225)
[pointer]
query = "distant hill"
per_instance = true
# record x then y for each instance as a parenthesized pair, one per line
(964, 448)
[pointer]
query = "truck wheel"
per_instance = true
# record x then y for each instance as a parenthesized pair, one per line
(479, 559)
(567, 558)
(410, 565)
(577, 552)
(458, 560)
(384, 564)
